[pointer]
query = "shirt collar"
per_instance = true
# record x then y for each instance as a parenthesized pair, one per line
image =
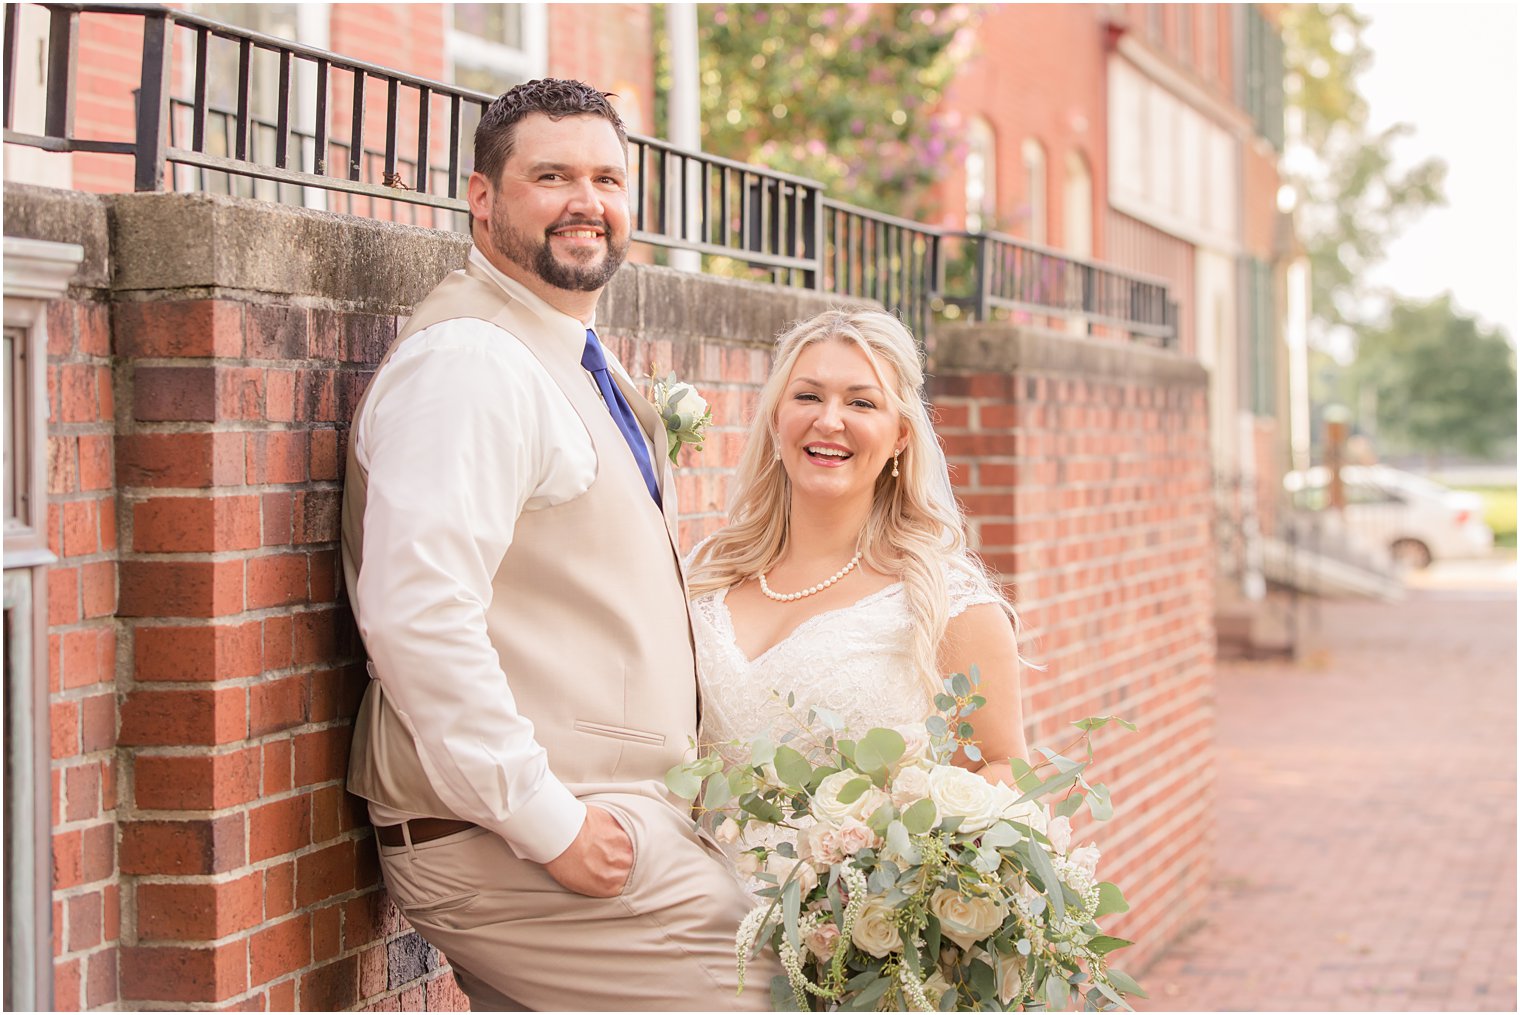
(573, 330)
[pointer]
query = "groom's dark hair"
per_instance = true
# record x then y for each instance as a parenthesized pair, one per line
(555, 98)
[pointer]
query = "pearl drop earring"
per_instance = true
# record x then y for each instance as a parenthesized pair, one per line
(895, 473)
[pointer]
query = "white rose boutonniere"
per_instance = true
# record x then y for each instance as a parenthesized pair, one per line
(685, 412)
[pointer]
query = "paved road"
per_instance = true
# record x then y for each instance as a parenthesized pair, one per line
(1366, 815)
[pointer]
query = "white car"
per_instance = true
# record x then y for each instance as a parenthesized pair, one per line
(1415, 520)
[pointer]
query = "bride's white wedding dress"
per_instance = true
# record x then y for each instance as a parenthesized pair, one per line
(855, 661)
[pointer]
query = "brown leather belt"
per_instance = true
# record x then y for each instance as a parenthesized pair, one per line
(422, 830)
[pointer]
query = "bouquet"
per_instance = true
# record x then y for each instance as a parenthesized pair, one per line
(890, 878)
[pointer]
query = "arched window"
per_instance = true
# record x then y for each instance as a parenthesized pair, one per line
(981, 176)
(1034, 189)
(1076, 207)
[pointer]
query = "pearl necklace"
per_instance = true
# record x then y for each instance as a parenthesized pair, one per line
(787, 597)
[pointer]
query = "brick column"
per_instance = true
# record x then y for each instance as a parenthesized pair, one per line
(1084, 469)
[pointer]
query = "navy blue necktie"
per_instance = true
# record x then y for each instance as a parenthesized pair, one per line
(595, 360)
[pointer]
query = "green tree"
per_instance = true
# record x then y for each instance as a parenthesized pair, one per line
(1352, 202)
(842, 93)
(1442, 382)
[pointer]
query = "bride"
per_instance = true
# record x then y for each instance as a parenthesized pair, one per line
(843, 576)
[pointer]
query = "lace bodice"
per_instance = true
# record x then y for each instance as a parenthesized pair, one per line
(854, 661)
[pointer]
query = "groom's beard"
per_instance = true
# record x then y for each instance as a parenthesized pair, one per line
(522, 249)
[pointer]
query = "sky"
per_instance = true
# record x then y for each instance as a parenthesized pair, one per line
(1449, 70)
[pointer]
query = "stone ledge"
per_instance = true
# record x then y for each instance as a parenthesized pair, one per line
(1006, 348)
(63, 216)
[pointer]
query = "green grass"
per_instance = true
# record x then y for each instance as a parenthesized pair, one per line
(1498, 511)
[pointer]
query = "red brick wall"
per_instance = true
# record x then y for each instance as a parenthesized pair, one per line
(1084, 469)
(207, 853)
(82, 653)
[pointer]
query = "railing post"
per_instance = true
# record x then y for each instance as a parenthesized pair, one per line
(983, 278)
(63, 56)
(153, 104)
(812, 232)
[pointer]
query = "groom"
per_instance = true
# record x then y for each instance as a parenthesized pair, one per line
(508, 548)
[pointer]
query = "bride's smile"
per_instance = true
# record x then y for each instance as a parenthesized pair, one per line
(836, 427)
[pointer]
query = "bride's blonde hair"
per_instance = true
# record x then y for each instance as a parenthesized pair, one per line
(915, 529)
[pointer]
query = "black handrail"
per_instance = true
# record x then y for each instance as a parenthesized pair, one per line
(753, 217)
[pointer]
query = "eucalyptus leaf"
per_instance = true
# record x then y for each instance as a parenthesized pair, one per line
(1040, 862)
(1054, 784)
(791, 908)
(717, 793)
(1110, 899)
(879, 749)
(1112, 995)
(960, 685)
(881, 818)
(944, 702)
(683, 783)
(949, 999)
(932, 933)
(831, 720)
(973, 752)
(937, 726)
(1099, 803)
(919, 817)
(1057, 992)
(1000, 835)
(782, 998)
(762, 809)
(1105, 943)
(983, 981)
(899, 843)
(852, 790)
(1069, 806)
(761, 751)
(1062, 763)
(1123, 983)
(868, 997)
(792, 767)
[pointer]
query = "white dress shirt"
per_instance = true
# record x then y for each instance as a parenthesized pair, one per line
(464, 432)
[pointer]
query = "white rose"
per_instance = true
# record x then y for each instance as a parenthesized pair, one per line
(959, 793)
(1059, 833)
(826, 806)
(854, 836)
(910, 786)
(965, 921)
(875, 930)
(686, 404)
(1086, 857)
(728, 831)
(781, 868)
(1030, 812)
(748, 864)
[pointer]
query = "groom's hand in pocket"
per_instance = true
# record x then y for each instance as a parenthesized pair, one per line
(599, 861)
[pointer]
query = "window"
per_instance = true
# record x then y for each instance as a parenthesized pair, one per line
(35, 272)
(1077, 217)
(1034, 189)
(492, 47)
(981, 176)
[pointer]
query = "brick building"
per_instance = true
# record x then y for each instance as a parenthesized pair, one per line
(201, 365)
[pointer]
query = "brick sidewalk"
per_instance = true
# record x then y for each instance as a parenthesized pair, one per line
(1366, 819)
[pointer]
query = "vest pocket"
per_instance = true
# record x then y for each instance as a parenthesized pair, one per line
(601, 729)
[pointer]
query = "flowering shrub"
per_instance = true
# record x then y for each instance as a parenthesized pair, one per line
(890, 878)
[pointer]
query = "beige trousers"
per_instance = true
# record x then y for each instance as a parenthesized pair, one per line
(518, 941)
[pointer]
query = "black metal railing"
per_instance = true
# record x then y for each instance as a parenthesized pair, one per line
(264, 117)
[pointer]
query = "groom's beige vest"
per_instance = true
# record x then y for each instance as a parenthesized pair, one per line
(588, 611)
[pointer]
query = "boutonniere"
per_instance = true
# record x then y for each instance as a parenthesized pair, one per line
(686, 413)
